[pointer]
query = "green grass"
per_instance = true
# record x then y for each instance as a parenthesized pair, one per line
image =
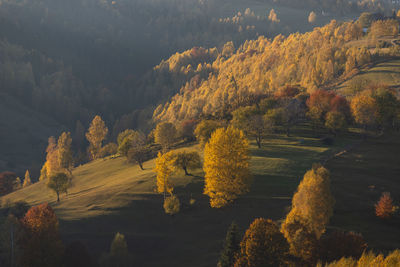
(109, 196)
(387, 73)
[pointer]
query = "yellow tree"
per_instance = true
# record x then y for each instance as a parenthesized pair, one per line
(226, 166)
(312, 207)
(364, 109)
(64, 151)
(27, 180)
(165, 134)
(96, 134)
(52, 164)
(165, 166)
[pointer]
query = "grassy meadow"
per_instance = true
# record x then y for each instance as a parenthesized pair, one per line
(110, 195)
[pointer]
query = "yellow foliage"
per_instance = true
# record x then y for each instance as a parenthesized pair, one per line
(226, 166)
(164, 168)
(364, 109)
(96, 134)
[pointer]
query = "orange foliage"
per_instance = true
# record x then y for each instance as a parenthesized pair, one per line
(384, 208)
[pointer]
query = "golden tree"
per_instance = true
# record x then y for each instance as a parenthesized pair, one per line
(65, 157)
(226, 166)
(312, 207)
(364, 109)
(263, 245)
(384, 208)
(27, 180)
(164, 168)
(96, 134)
(172, 205)
(187, 160)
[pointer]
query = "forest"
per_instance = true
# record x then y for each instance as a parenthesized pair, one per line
(199, 133)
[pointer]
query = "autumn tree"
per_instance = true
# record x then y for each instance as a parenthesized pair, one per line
(384, 208)
(319, 104)
(27, 180)
(132, 144)
(95, 135)
(388, 107)
(187, 160)
(171, 205)
(312, 207)
(273, 16)
(335, 122)
(41, 244)
(59, 183)
(119, 255)
(231, 247)
(364, 109)
(204, 130)
(263, 245)
(312, 17)
(226, 166)
(64, 150)
(338, 244)
(52, 164)
(165, 134)
(164, 168)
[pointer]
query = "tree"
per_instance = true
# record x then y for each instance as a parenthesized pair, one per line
(95, 135)
(41, 244)
(312, 206)
(340, 244)
(231, 247)
(384, 208)
(364, 109)
(124, 141)
(187, 160)
(64, 150)
(119, 255)
(132, 145)
(335, 122)
(7, 180)
(273, 16)
(204, 130)
(59, 183)
(27, 180)
(263, 245)
(164, 168)
(387, 107)
(312, 17)
(165, 134)
(226, 166)
(172, 205)
(52, 164)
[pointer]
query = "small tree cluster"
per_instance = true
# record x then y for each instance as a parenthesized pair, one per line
(384, 208)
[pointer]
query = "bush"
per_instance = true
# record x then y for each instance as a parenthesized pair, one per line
(172, 205)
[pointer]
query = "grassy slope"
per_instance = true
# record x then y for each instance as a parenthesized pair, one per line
(386, 73)
(109, 196)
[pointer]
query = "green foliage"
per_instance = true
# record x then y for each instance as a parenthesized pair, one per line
(165, 134)
(172, 205)
(204, 130)
(119, 255)
(186, 160)
(59, 183)
(231, 247)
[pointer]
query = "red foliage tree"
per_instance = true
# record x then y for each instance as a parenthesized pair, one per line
(40, 240)
(340, 104)
(321, 99)
(287, 91)
(384, 208)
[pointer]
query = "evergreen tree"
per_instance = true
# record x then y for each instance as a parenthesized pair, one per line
(231, 247)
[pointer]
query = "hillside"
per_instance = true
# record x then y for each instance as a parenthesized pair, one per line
(109, 195)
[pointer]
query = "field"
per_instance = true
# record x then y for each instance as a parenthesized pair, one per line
(387, 73)
(110, 196)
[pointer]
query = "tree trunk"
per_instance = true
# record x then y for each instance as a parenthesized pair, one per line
(141, 166)
(186, 172)
(58, 197)
(258, 140)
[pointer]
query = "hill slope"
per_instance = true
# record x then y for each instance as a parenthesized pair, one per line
(110, 196)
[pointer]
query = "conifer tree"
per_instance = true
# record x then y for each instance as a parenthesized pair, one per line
(226, 166)
(231, 247)
(95, 135)
(27, 180)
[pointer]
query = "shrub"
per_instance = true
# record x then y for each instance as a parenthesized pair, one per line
(172, 205)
